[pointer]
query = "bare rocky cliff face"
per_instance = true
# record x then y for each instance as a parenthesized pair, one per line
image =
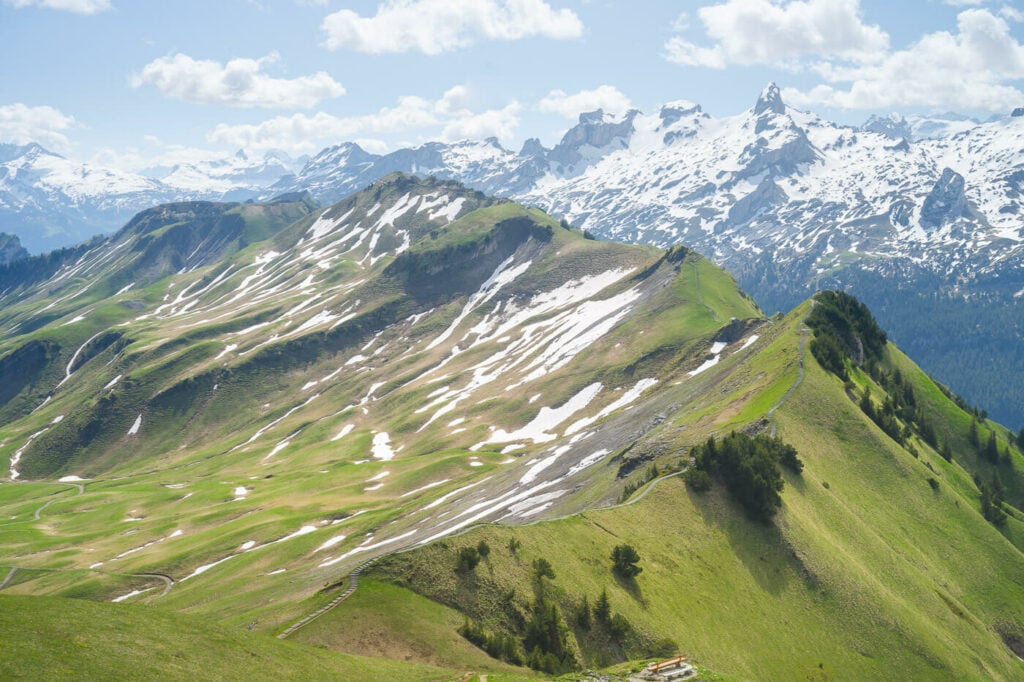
(11, 249)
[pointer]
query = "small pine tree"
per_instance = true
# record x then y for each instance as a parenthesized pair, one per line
(468, 559)
(583, 618)
(542, 569)
(866, 406)
(619, 627)
(483, 549)
(972, 434)
(992, 500)
(992, 448)
(510, 651)
(602, 609)
(513, 546)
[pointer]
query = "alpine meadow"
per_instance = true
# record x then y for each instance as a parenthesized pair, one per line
(304, 380)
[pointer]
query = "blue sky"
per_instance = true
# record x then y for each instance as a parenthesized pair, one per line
(140, 83)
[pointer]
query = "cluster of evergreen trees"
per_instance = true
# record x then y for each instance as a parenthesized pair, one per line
(845, 333)
(501, 646)
(601, 616)
(469, 557)
(546, 638)
(542, 639)
(749, 467)
(992, 500)
(843, 328)
(899, 414)
(990, 450)
(544, 643)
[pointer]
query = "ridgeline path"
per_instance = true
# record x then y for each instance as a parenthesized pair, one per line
(799, 375)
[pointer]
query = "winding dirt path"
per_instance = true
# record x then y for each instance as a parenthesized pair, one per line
(81, 489)
(800, 372)
(168, 580)
(35, 517)
(8, 578)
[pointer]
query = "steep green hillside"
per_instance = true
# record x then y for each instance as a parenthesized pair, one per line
(867, 572)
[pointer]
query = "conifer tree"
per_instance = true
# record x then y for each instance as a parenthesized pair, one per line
(602, 609)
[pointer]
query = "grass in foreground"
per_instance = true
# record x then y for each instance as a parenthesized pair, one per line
(52, 638)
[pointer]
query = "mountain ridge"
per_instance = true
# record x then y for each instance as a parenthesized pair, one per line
(420, 366)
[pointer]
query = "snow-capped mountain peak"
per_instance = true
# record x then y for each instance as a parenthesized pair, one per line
(770, 99)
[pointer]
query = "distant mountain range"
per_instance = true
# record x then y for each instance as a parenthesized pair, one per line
(49, 201)
(921, 217)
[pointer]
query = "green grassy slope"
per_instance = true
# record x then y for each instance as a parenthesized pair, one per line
(381, 619)
(50, 638)
(256, 484)
(164, 500)
(867, 572)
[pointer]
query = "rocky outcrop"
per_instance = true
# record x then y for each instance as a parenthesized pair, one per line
(595, 130)
(764, 198)
(946, 202)
(892, 126)
(11, 249)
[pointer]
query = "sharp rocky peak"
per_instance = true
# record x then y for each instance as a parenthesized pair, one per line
(532, 147)
(770, 100)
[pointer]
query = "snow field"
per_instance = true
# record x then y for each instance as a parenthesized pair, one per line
(381, 448)
(133, 593)
(538, 430)
(625, 399)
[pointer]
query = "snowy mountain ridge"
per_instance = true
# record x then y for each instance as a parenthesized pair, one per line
(941, 192)
(51, 201)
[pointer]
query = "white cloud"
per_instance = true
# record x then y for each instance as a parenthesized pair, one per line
(453, 100)
(764, 32)
(22, 124)
(606, 97)
(134, 160)
(499, 123)
(970, 70)
(76, 6)
(436, 26)
(1011, 13)
(307, 133)
(239, 83)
